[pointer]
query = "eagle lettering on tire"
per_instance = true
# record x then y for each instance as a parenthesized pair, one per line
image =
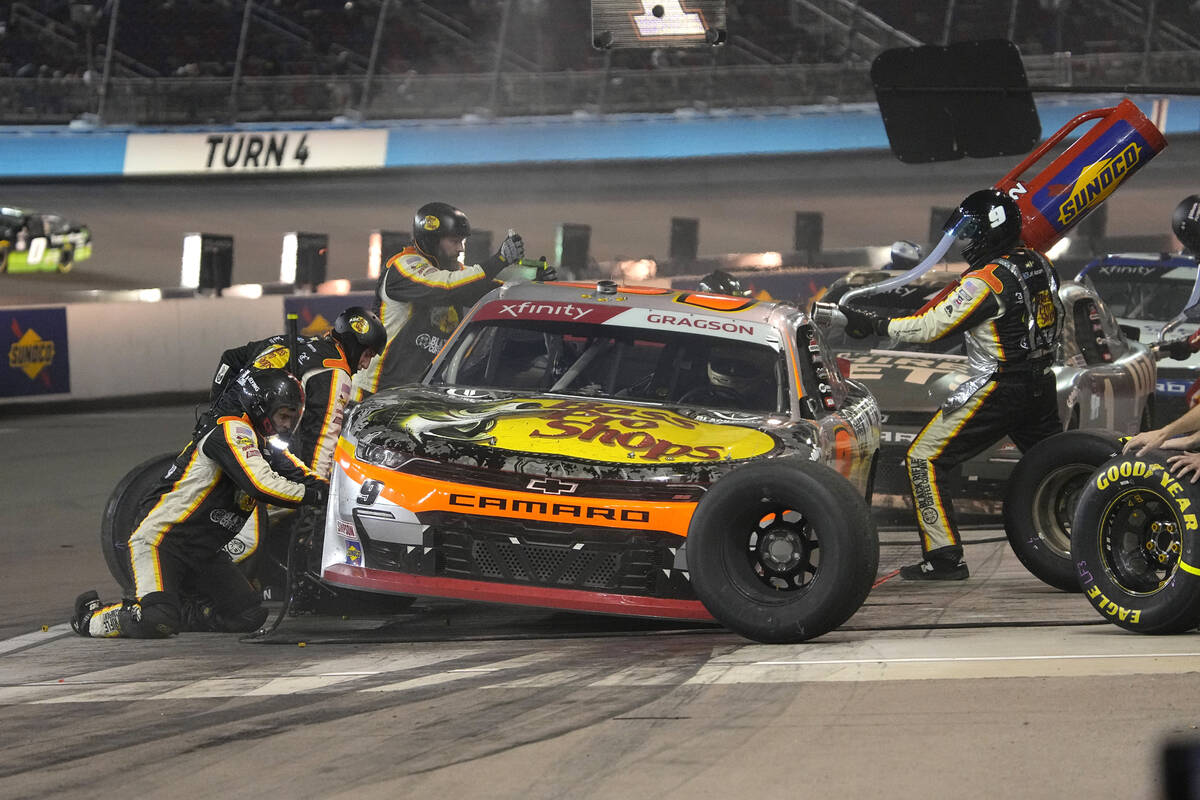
(1135, 542)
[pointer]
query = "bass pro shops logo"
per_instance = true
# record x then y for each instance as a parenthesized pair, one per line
(30, 353)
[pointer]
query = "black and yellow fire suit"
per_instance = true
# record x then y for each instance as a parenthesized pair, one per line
(420, 305)
(326, 377)
(199, 504)
(1010, 316)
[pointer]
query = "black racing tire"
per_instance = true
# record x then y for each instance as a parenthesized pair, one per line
(1039, 504)
(121, 516)
(782, 552)
(1136, 546)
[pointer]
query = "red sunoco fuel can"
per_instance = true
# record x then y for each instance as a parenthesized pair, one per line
(1087, 172)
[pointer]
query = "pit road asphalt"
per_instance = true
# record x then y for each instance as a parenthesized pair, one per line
(1009, 686)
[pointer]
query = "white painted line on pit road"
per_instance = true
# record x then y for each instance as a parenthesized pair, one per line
(947, 668)
(464, 672)
(35, 638)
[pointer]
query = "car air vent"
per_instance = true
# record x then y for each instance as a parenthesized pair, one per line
(561, 487)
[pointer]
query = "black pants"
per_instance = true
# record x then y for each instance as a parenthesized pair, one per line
(180, 589)
(1022, 406)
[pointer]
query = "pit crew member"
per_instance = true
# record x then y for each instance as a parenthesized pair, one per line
(215, 484)
(423, 291)
(1006, 307)
(326, 366)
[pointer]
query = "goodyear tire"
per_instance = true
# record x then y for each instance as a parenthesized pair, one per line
(1042, 495)
(782, 552)
(121, 516)
(1136, 545)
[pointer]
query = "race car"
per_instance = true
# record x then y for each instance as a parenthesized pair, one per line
(32, 241)
(624, 450)
(1145, 291)
(1105, 382)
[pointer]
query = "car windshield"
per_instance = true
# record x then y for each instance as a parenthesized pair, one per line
(1154, 295)
(609, 361)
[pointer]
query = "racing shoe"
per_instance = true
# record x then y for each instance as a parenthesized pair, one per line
(86, 604)
(936, 570)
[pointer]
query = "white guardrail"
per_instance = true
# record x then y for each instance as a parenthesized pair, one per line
(90, 351)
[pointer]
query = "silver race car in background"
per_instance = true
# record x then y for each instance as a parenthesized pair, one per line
(1145, 291)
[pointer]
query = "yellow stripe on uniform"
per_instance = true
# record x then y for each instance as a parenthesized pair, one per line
(450, 279)
(249, 472)
(977, 400)
(161, 528)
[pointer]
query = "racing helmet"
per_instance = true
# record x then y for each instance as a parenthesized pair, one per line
(434, 221)
(357, 330)
(262, 392)
(1185, 222)
(990, 223)
(721, 282)
(730, 367)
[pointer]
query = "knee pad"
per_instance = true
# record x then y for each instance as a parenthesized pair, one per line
(153, 616)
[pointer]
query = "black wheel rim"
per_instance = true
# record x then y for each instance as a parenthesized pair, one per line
(781, 550)
(1141, 540)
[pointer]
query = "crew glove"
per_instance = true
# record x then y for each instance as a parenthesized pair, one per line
(861, 324)
(512, 249)
(315, 494)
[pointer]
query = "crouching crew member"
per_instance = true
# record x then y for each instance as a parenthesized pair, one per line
(325, 365)
(200, 503)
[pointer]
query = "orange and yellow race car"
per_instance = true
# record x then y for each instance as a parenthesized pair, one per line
(634, 451)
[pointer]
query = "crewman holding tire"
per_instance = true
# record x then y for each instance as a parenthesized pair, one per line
(1006, 306)
(215, 484)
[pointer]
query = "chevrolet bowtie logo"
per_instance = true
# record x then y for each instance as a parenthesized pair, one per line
(551, 486)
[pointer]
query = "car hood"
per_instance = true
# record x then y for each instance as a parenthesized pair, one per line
(508, 430)
(905, 381)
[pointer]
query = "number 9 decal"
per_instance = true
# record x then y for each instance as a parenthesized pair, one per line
(368, 493)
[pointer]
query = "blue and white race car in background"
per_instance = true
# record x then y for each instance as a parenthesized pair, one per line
(1145, 291)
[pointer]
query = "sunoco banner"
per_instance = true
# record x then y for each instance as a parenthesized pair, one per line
(35, 345)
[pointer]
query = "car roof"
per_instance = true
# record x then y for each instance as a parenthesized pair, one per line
(1163, 261)
(649, 297)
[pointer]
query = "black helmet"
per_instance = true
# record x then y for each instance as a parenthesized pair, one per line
(1185, 222)
(262, 392)
(990, 221)
(721, 282)
(436, 220)
(356, 330)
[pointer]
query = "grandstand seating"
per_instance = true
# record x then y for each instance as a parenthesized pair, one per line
(318, 51)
